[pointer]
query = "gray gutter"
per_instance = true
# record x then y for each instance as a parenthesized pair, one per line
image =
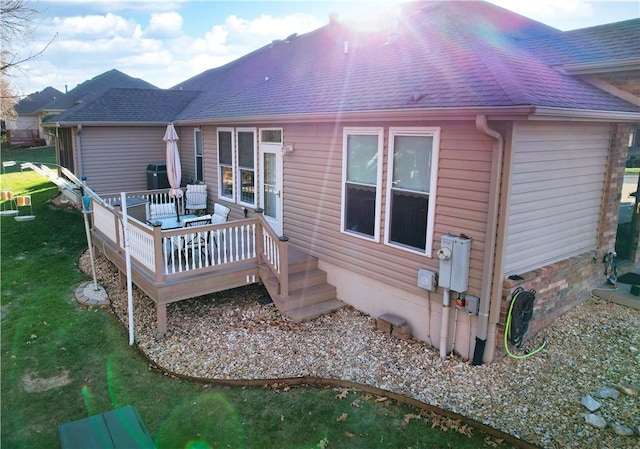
(70, 124)
(492, 113)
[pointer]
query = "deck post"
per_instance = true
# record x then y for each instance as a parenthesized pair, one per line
(157, 248)
(161, 316)
(260, 235)
(284, 265)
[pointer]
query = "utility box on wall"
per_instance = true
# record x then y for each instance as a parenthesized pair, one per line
(454, 255)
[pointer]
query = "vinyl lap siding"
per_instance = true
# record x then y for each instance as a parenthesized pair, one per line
(558, 174)
(312, 201)
(117, 161)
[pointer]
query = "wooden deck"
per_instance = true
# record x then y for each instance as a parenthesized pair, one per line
(216, 258)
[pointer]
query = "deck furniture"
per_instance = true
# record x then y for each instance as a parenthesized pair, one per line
(196, 198)
(172, 221)
(162, 210)
(196, 241)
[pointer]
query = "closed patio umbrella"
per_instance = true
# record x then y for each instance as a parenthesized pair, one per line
(174, 170)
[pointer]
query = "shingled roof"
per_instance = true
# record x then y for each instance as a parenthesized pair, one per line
(441, 55)
(121, 105)
(609, 43)
(438, 55)
(34, 102)
(95, 87)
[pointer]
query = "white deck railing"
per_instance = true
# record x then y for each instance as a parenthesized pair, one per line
(174, 253)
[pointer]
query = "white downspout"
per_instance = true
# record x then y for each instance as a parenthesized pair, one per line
(80, 169)
(490, 237)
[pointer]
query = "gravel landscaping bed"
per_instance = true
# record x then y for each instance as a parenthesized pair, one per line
(231, 335)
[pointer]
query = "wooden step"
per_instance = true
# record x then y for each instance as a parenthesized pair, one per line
(305, 296)
(309, 293)
(315, 310)
(308, 278)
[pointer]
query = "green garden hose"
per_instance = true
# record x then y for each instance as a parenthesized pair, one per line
(522, 327)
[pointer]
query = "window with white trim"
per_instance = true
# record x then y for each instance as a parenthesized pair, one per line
(226, 164)
(197, 139)
(362, 181)
(246, 173)
(411, 186)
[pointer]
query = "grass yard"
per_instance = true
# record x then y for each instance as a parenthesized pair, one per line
(62, 362)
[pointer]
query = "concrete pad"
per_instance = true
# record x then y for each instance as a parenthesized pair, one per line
(621, 294)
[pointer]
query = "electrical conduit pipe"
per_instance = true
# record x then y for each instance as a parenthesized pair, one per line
(490, 237)
(444, 325)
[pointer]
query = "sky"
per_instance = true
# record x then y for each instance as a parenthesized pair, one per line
(165, 42)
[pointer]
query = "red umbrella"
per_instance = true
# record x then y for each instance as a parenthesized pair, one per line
(174, 170)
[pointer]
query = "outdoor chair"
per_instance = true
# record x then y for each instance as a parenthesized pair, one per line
(196, 198)
(196, 241)
(8, 204)
(220, 215)
(162, 210)
(24, 201)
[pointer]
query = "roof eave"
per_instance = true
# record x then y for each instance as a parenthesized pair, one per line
(492, 113)
(550, 113)
(584, 68)
(71, 124)
(496, 113)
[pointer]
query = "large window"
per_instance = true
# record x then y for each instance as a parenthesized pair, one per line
(410, 188)
(361, 180)
(197, 138)
(247, 166)
(225, 164)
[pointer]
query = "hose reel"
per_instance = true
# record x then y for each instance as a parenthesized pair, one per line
(518, 319)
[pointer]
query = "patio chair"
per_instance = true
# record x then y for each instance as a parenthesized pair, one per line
(193, 241)
(220, 215)
(24, 201)
(9, 207)
(196, 198)
(162, 210)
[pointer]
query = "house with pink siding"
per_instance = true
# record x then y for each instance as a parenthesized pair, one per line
(460, 153)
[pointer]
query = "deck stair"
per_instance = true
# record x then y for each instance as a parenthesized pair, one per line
(310, 295)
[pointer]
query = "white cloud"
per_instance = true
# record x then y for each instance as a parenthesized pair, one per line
(93, 25)
(543, 10)
(165, 24)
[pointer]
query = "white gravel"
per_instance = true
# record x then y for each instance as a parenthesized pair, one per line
(232, 336)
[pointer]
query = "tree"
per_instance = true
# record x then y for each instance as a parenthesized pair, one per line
(16, 26)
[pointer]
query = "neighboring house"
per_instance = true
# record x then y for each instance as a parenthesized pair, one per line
(26, 127)
(115, 157)
(77, 97)
(366, 149)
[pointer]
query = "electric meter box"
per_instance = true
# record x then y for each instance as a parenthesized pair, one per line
(454, 255)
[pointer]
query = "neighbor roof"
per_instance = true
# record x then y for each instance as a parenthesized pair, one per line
(120, 105)
(34, 102)
(95, 87)
(609, 43)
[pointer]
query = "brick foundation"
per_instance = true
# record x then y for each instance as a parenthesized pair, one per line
(565, 284)
(559, 287)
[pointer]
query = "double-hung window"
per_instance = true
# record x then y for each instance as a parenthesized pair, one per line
(361, 182)
(411, 184)
(197, 138)
(226, 164)
(247, 166)
(237, 154)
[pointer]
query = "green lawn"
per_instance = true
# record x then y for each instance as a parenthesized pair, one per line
(62, 362)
